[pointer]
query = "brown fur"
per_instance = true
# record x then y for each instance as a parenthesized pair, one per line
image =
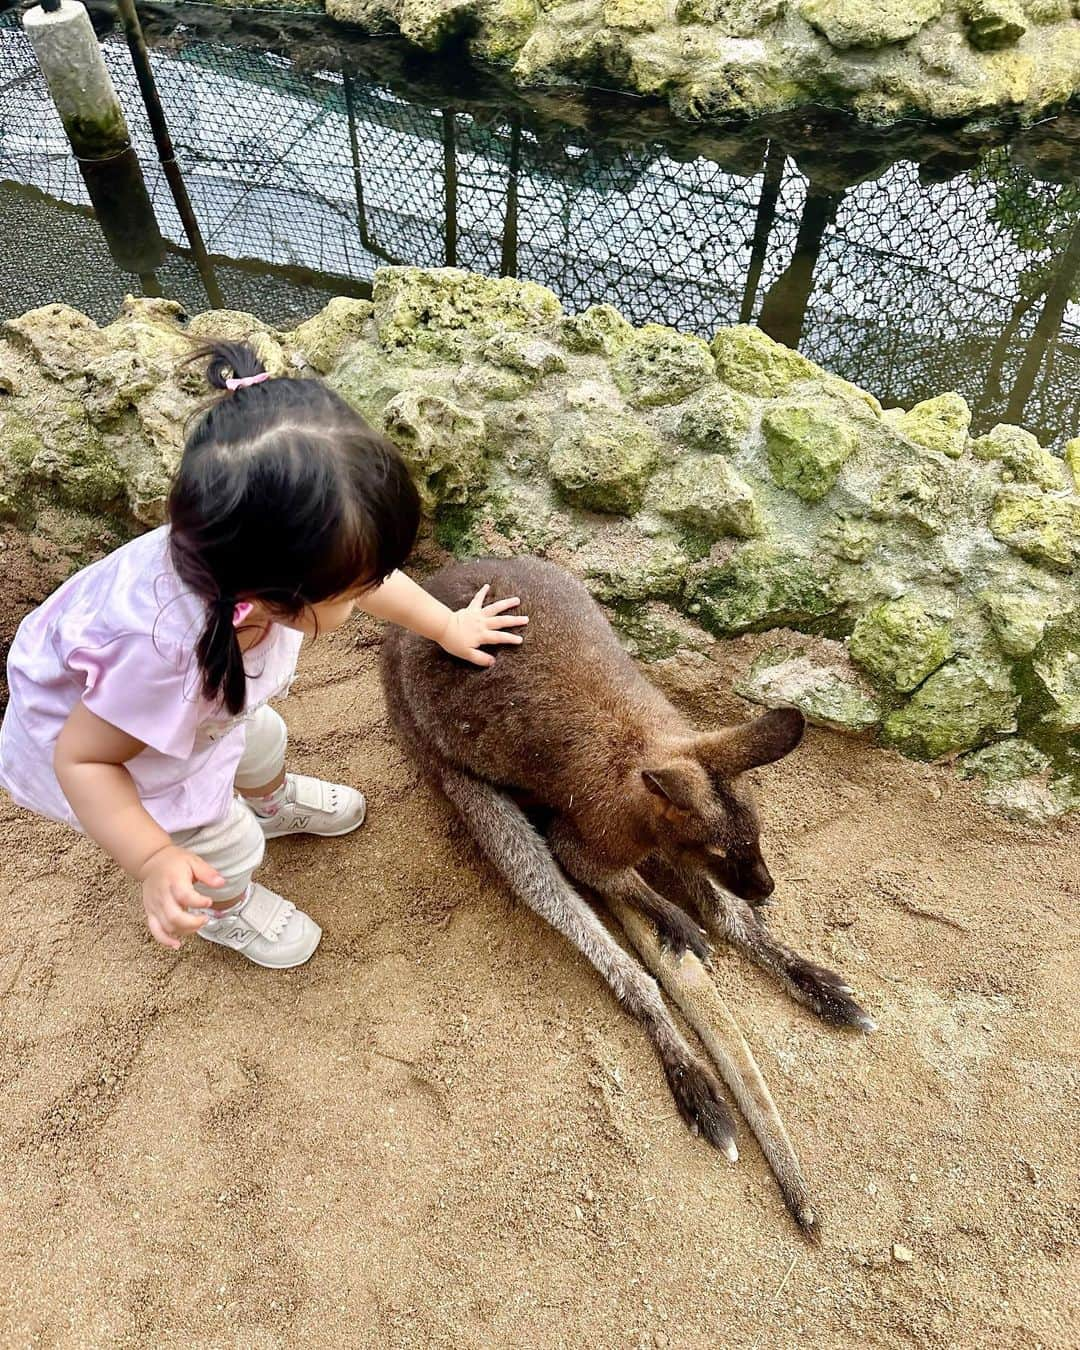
(567, 722)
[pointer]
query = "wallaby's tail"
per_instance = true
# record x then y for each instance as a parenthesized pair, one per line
(690, 985)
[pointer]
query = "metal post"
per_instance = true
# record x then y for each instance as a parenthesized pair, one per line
(140, 59)
(450, 179)
(775, 159)
(367, 239)
(70, 58)
(508, 262)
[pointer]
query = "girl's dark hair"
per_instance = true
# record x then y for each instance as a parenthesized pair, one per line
(284, 495)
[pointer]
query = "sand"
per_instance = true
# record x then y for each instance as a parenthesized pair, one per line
(444, 1132)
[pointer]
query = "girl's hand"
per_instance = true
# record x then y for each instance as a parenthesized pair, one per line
(481, 625)
(169, 895)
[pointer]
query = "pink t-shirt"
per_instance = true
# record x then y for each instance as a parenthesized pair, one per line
(121, 635)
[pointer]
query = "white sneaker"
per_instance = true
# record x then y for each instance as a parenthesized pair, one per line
(266, 929)
(314, 807)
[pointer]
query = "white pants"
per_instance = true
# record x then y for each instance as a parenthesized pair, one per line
(235, 845)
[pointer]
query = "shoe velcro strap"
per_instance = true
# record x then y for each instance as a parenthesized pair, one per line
(310, 793)
(262, 911)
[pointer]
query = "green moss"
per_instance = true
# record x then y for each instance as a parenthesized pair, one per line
(900, 642)
(765, 585)
(1045, 529)
(703, 493)
(939, 424)
(1072, 461)
(849, 539)
(965, 703)
(605, 468)
(807, 445)
(658, 365)
(98, 137)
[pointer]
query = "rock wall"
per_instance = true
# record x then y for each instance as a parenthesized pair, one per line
(926, 582)
(719, 58)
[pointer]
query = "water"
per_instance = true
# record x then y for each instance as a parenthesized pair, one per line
(910, 263)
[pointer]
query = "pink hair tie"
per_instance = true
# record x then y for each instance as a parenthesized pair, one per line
(245, 380)
(240, 613)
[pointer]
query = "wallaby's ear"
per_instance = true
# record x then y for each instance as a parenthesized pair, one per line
(760, 741)
(676, 782)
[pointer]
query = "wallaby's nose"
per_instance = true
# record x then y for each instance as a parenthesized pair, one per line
(758, 882)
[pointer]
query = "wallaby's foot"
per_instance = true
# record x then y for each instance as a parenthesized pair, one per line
(827, 993)
(820, 989)
(679, 933)
(696, 1090)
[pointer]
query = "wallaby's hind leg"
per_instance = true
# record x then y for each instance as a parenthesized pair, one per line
(728, 917)
(524, 859)
(676, 928)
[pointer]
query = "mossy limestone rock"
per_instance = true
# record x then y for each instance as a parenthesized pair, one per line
(637, 576)
(1019, 618)
(963, 704)
(765, 585)
(445, 310)
(658, 365)
(1057, 666)
(749, 360)
(1022, 458)
(827, 694)
(868, 23)
(939, 424)
(443, 445)
(703, 493)
(1072, 461)
(807, 444)
(1043, 528)
(600, 328)
(900, 642)
(717, 421)
(605, 467)
(324, 337)
(993, 23)
(530, 356)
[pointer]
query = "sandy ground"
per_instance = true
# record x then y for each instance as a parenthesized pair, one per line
(444, 1132)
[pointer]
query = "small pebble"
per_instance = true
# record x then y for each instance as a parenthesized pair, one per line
(902, 1254)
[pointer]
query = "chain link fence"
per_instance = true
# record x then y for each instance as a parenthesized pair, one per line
(306, 175)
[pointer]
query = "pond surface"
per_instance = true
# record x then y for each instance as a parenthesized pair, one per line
(910, 262)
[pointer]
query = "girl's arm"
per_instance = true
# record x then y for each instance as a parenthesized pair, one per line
(89, 763)
(460, 632)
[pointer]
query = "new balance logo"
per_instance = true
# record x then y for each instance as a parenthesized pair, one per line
(300, 822)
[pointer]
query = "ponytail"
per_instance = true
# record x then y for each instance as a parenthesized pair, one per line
(221, 662)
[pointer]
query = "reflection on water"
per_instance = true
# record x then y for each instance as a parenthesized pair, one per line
(909, 266)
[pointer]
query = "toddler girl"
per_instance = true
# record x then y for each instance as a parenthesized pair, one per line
(139, 709)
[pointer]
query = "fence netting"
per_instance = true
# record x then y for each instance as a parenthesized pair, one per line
(304, 178)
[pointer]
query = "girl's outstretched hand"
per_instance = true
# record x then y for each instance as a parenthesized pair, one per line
(169, 895)
(480, 625)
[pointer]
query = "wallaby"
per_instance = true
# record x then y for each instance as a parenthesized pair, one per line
(567, 723)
